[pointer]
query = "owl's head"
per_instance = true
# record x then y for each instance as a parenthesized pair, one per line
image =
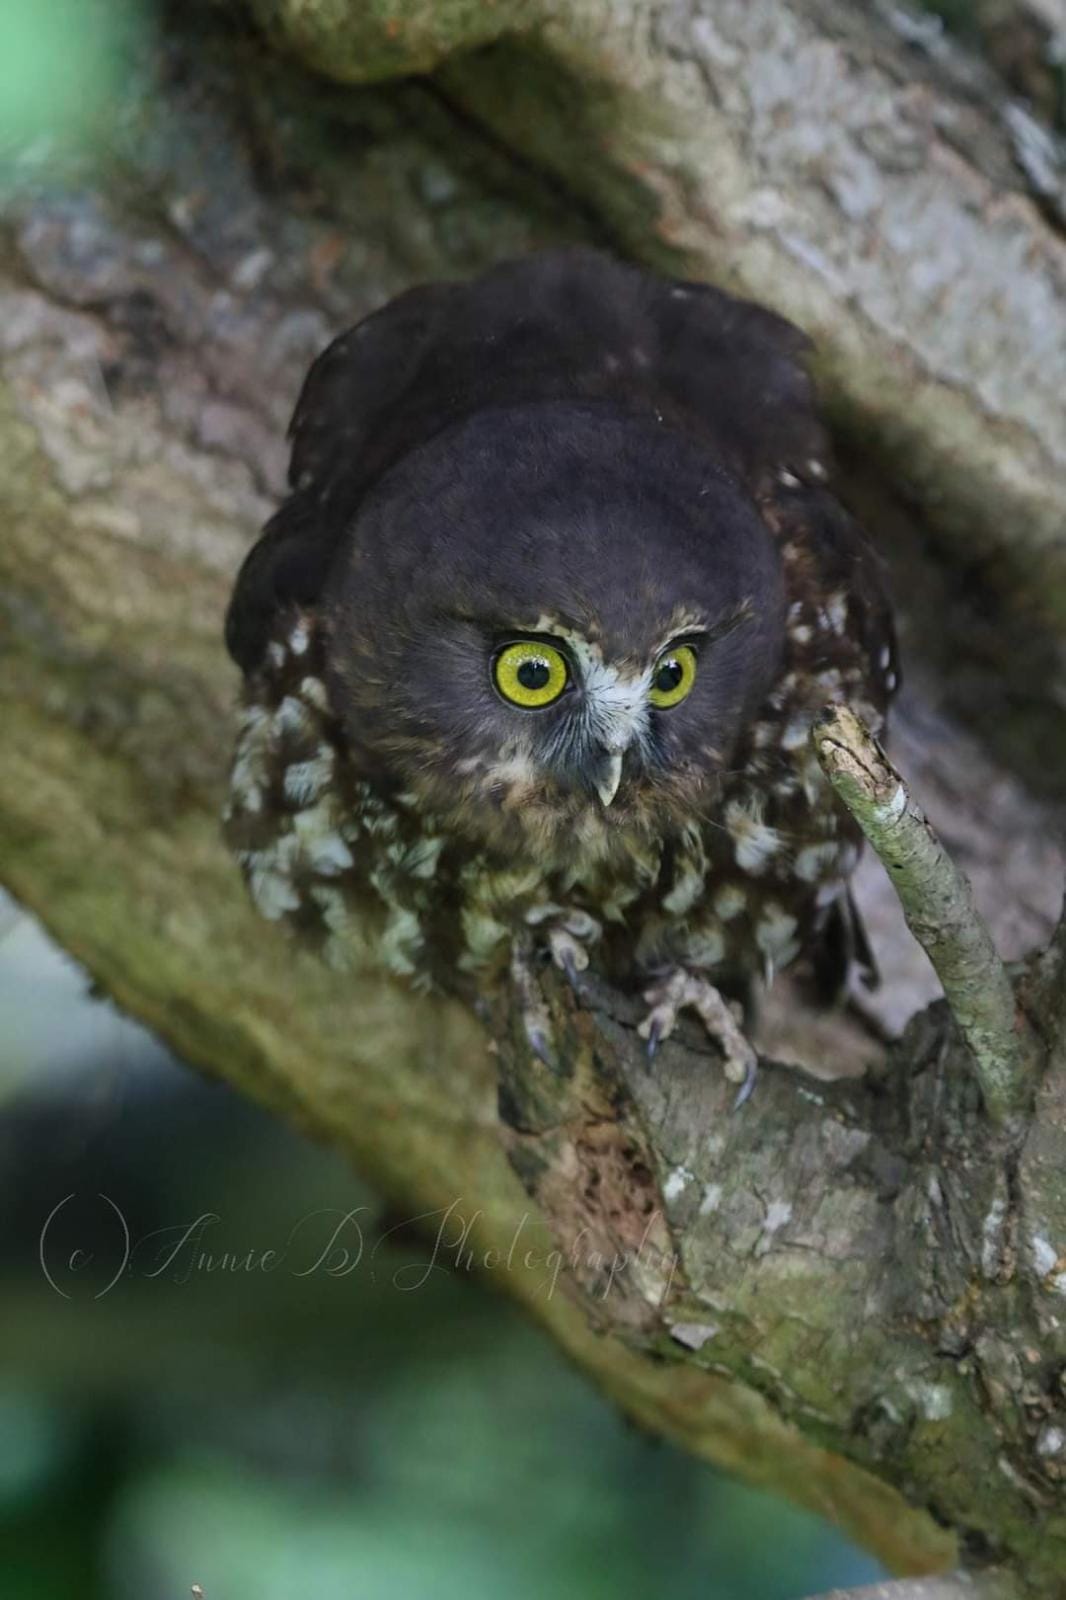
(553, 619)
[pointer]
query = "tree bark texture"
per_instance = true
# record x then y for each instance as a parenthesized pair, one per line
(852, 1290)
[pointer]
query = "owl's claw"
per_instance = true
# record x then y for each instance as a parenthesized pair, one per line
(569, 935)
(747, 1088)
(540, 1044)
(682, 990)
(568, 961)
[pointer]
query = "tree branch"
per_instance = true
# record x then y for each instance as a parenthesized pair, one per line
(938, 903)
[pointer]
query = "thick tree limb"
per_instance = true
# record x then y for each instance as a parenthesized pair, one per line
(849, 1292)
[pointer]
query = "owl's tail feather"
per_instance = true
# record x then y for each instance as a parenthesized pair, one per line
(843, 953)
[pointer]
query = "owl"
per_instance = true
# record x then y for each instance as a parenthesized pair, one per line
(533, 649)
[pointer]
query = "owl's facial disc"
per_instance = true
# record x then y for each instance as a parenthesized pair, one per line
(611, 704)
(598, 542)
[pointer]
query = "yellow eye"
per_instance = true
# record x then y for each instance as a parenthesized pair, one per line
(530, 674)
(673, 676)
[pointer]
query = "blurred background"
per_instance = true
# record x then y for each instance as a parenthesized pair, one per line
(342, 1418)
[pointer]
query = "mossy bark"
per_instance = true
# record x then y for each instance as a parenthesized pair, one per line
(850, 1293)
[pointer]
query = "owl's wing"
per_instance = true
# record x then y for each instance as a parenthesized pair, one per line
(569, 324)
(833, 557)
(346, 430)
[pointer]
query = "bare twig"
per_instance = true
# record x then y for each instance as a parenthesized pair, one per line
(938, 904)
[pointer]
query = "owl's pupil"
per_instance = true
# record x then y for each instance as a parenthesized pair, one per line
(669, 675)
(534, 673)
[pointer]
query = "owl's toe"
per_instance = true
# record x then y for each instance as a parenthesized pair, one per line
(683, 990)
(568, 953)
(540, 1042)
(654, 1033)
(747, 1086)
(536, 1021)
(569, 935)
(666, 999)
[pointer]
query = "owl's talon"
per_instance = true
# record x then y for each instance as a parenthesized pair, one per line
(747, 1088)
(569, 934)
(682, 990)
(569, 965)
(540, 1044)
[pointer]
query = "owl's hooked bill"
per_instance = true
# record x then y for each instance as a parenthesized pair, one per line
(608, 776)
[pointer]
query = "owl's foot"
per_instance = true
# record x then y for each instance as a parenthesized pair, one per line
(563, 935)
(682, 990)
(530, 1002)
(568, 936)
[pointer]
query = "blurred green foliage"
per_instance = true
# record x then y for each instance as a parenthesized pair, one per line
(61, 63)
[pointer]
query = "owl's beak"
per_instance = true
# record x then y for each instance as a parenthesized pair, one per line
(608, 775)
(617, 708)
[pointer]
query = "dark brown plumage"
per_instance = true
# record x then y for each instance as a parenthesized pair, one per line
(533, 649)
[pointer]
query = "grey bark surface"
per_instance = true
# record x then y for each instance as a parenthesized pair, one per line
(951, 1588)
(853, 1290)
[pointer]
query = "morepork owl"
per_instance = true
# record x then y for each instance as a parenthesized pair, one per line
(533, 649)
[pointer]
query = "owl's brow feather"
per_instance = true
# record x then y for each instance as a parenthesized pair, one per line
(742, 613)
(576, 638)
